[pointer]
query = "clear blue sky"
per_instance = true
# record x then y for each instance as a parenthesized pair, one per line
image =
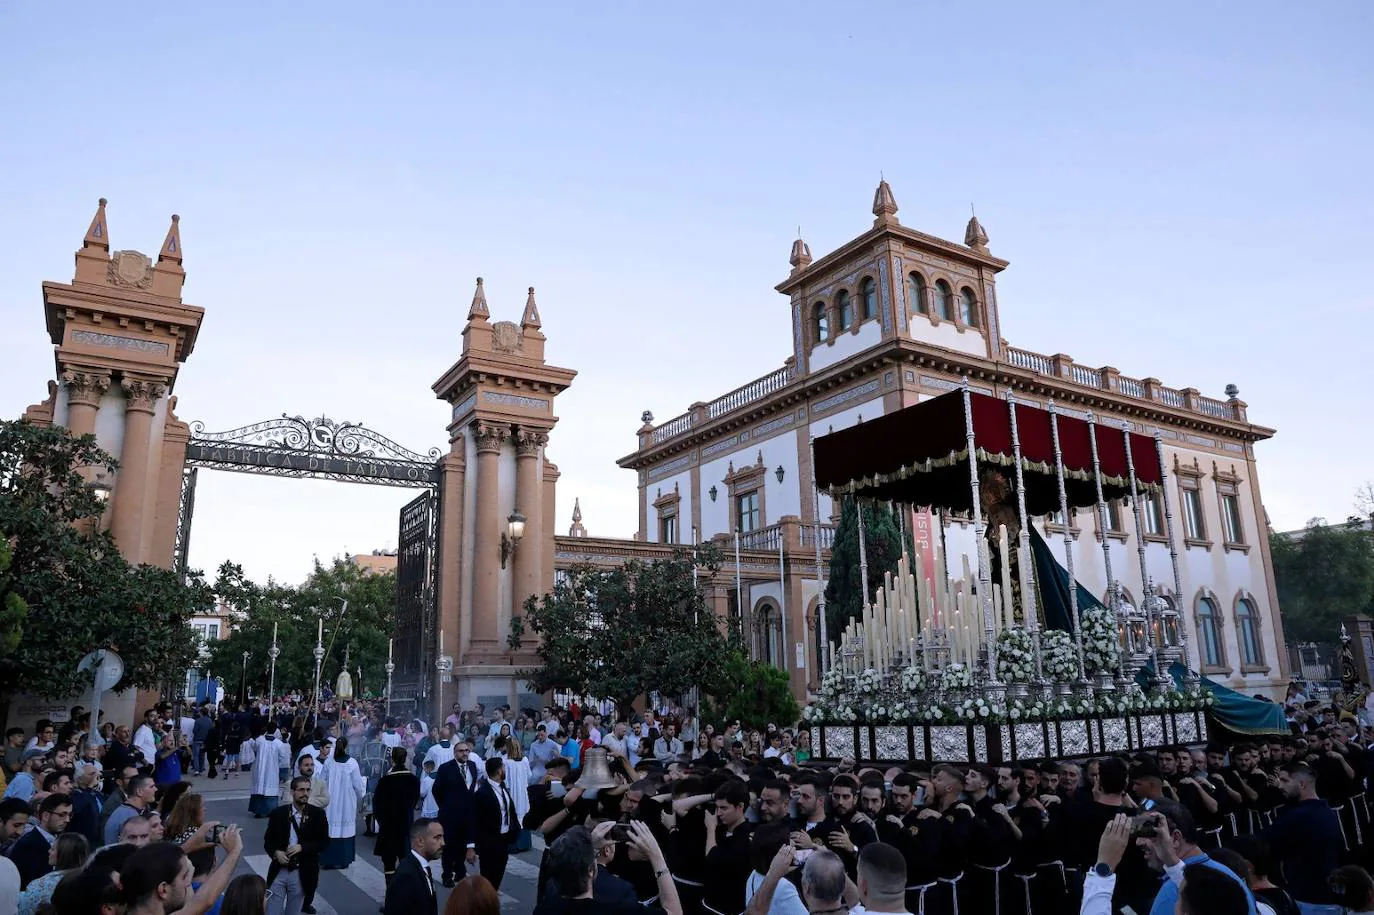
(1182, 189)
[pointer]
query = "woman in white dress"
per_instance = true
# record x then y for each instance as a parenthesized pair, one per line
(271, 757)
(346, 788)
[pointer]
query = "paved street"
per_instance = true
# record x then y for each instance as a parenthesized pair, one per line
(359, 889)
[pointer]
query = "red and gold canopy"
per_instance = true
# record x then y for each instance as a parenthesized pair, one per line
(919, 455)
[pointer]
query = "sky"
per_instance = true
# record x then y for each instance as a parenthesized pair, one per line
(1182, 190)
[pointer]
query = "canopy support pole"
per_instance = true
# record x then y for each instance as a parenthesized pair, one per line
(1113, 586)
(1190, 679)
(1154, 629)
(863, 553)
(823, 648)
(984, 572)
(1030, 615)
(1068, 544)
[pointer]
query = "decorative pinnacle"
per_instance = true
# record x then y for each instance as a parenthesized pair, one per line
(171, 245)
(801, 254)
(530, 319)
(98, 235)
(884, 205)
(479, 308)
(974, 236)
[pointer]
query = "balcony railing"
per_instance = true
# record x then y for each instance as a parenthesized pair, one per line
(765, 538)
(1108, 379)
(754, 390)
(808, 536)
(672, 428)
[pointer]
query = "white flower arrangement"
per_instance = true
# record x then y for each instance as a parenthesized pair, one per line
(1058, 656)
(1015, 656)
(956, 676)
(1100, 641)
(913, 680)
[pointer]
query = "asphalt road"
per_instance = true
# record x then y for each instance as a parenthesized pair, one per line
(360, 888)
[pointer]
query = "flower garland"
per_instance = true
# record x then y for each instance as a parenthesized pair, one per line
(955, 677)
(913, 679)
(1015, 656)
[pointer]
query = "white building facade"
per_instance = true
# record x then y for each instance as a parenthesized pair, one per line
(895, 317)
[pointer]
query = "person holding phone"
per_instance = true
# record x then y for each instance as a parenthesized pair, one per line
(295, 836)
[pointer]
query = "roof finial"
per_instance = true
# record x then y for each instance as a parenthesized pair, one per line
(479, 304)
(530, 319)
(801, 254)
(974, 236)
(98, 235)
(884, 204)
(577, 530)
(171, 245)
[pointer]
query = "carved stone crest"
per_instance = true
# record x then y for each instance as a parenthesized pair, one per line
(505, 337)
(130, 268)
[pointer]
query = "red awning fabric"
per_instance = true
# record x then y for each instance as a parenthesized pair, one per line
(919, 456)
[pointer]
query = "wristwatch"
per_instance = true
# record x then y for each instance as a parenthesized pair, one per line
(1102, 869)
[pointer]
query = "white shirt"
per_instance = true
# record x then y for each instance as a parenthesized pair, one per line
(424, 866)
(552, 727)
(501, 796)
(616, 745)
(390, 739)
(785, 898)
(146, 741)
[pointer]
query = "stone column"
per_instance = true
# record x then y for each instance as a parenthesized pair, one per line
(529, 446)
(486, 537)
(131, 483)
(85, 388)
(452, 472)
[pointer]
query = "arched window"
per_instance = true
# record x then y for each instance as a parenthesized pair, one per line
(1209, 633)
(820, 322)
(968, 307)
(868, 291)
(944, 301)
(1248, 630)
(846, 310)
(916, 289)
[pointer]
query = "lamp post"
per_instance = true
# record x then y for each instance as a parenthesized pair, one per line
(390, 669)
(243, 680)
(273, 653)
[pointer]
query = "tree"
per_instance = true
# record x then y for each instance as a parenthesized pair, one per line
(1322, 577)
(844, 598)
(80, 592)
(620, 633)
(363, 629)
(752, 692)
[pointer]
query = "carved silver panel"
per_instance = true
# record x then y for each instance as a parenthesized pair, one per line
(948, 744)
(1185, 727)
(890, 743)
(980, 744)
(1030, 741)
(1202, 735)
(839, 742)
(1114, 735)
(1006, 741)
(1151, 730)
(1074, 737)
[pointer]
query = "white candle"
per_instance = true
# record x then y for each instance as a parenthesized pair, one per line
(274, 633)
(389, 645)
(319, 635)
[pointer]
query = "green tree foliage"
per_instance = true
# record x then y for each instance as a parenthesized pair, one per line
(844, 598)
(80, 592)
(363, 629)
(753, 693)
(1323, 577)
(619, 633)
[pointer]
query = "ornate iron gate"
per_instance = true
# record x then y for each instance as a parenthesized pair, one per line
(417, 572)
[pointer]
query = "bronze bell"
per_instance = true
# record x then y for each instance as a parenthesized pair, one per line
(596, 770)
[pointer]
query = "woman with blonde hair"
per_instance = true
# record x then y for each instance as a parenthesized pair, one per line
(518, 784)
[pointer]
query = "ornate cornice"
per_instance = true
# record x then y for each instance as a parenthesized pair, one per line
(85, 387)
(489, 437)
(529, 443)
(142, 394)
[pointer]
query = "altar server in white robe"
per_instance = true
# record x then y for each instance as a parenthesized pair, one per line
(429, 807)
(346, 789)
(272, 756)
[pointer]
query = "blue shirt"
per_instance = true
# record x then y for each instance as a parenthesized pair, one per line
(1166, 900)
(21, 786)
(572, 750)
(540, 755)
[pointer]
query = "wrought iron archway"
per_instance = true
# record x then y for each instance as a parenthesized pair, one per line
(321, 448)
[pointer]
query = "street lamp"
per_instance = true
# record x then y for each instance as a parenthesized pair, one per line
(780, 473)
(243, 680)
(319, 659)
(510, 538)
(102, 488)
(390, 669)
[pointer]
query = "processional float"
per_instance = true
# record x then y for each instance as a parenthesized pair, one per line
(1003, 656)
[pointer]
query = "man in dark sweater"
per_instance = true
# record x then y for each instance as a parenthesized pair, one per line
(1305, 837)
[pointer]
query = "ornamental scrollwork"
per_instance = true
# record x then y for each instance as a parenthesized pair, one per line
(320, 435)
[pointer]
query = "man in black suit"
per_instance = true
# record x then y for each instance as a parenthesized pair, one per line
(30, 853)
(411, 890)
(296, 834)
(454, 784)
(495, 822)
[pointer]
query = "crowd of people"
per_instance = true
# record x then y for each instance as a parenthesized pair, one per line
(659, 811)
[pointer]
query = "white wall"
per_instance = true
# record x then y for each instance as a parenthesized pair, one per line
(948, 335)
(683, 481)
(846, 344)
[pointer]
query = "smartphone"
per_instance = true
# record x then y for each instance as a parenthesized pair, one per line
(216, 833)
(620, 832)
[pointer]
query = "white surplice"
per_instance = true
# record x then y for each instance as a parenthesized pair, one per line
(346, 788)
(270, 757)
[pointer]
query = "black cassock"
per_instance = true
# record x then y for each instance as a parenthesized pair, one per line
(393, 806)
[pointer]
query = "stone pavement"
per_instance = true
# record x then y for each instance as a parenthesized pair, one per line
(360, 888)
